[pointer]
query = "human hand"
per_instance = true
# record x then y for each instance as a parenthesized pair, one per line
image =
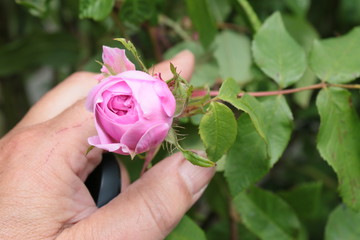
(43, 168)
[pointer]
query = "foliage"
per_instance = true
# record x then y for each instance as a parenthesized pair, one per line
(276, 92)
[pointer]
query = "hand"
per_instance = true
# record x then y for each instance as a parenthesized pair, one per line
(43, 168)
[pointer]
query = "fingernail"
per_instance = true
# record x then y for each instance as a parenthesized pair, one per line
(195, 177)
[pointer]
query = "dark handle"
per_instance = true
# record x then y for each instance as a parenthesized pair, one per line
(104, 183)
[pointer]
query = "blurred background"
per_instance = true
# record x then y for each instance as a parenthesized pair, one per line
(44, 41)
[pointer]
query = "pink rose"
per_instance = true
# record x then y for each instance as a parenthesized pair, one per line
(133, 112)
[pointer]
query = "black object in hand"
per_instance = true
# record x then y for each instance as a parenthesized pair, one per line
(104, 183)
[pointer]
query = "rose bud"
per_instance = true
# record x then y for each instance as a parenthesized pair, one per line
(133, 112)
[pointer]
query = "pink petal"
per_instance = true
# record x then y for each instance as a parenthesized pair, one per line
(116, 60)
(152, 137)
(114, 83)
(137, 75)
(111, 147)
(167, 98)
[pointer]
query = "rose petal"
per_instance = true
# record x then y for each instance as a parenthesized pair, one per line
(137, 75)
(152, 137)
(107, 127)
(116, 60)
(111, 147)
(112, 83)
(167, 98)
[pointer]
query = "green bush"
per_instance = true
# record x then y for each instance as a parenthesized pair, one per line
(296, 64)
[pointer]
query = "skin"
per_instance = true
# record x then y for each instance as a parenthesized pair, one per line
(43, 168)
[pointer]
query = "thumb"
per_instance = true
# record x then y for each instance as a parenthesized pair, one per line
(151, 207)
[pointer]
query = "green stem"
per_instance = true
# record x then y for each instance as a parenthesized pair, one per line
(253, 18)
(174, 26)
(199, 93)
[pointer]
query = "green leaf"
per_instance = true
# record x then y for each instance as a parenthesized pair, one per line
(344, 224)
(137, 11)
(219, 9)
(277, 53)
(36, 7)
(196, 159)
(186, 229)
(299, 7)
(254, 108)
(338, 141)
(337, 60)
(247, 160)
(191, 156)
(272, 118)
(229, 90)
(278, 124)
(203, 22)
(233, 54)
(305, 34)
(301, 30)
(268, 216)
(217, 130)
(253, 154)
(305, 199)
(95, 9)
(303, 98)
(205, 75)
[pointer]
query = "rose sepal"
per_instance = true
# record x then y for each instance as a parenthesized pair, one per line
(191, 156)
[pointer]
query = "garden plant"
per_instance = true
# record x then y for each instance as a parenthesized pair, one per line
(274, 100)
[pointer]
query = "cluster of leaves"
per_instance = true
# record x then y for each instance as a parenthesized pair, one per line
(272, 180)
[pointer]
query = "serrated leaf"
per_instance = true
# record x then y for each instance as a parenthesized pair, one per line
(247, 160)
(186, 229)
(203, 22)
(277, 54)
(268, 216)
(337, 60)
(305, 34)
(252, 154)
(233, 55)
(95, 9)
(217, 130)
(272, 118)
(254, 108)
(137, 11)
(278, 121)
(229, 90)
(338, 141)
(343, 223)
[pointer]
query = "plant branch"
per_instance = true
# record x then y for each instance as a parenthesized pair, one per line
(174, 26)
(253, 18)
(198, 93)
